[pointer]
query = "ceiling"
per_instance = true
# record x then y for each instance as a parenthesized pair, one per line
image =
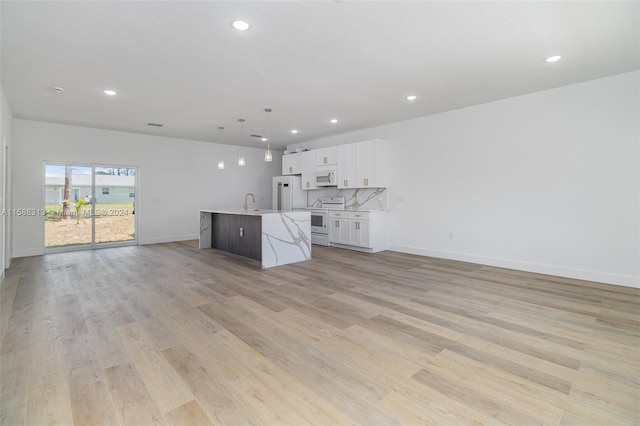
(181, 63)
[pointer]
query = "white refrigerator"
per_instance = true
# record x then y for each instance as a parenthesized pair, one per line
(288, 193)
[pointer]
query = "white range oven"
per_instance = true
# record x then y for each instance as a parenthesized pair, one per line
(320, 219)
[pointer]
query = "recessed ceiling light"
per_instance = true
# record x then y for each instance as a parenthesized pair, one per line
(110, 92)
(552, 59)
(412, 97)
(264, 139)
(294, 131)
(333, 121)
(240, 25)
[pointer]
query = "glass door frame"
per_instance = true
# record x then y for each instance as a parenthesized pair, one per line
(93, 244)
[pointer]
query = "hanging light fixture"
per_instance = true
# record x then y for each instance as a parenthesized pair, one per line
(221, 162)
(268, 157)
(241, 162)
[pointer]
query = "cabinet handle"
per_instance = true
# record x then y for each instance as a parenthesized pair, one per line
(290, 169)
(307, 184)
(346, 182)
(366, 182)
(337, 224)
(325, 160)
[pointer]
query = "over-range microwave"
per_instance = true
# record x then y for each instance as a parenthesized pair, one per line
(326, 177)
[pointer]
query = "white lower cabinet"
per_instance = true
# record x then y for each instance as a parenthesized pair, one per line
(339, 227)
(362, 231)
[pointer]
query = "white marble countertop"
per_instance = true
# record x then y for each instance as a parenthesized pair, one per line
(249, 212)
(324, 209)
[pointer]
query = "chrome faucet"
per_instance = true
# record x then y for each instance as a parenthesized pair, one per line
(253, 198)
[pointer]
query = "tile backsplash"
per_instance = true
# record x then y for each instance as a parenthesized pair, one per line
(357, 199)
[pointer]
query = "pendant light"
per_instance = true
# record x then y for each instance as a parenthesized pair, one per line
(221, 162)
(241, 162)
(268, 157)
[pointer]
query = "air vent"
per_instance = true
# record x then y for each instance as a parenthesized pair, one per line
(155, 124)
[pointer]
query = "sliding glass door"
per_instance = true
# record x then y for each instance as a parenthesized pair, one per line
(115, 195)
(89, 206)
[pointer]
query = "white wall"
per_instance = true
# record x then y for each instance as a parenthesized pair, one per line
(6, 142)
(547, 182)
(176, 177)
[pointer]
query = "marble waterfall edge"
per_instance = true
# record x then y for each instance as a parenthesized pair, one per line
(286, 238)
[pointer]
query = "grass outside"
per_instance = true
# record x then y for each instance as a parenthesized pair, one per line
(114, 223)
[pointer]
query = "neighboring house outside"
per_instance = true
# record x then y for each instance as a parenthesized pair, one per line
(109, 189)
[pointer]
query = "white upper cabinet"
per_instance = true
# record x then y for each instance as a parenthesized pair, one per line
(293, 164)
(308, 170)
(372, 164)
(347, 166)
(358, 165)
(327, 156)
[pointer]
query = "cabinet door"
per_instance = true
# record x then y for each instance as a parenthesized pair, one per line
(359, 233)
(373, 169)
(308, 170)
(347, 166)
(339, 230)
(292, 164)
(365, 169)
(326, 156)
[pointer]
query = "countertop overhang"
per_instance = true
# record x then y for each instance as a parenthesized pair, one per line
(249, 212)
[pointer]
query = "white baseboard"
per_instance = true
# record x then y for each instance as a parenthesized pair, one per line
(28, 252)
(562, 271)
(171, 239)
(40, 251)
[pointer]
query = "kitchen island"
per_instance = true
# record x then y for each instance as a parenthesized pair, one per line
(271, 236)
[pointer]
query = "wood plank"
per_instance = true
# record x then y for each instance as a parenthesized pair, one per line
(261, 401)
(486, 404)
(164, 385)
(334, 392)
(413, 412)
(190, 413)
(259, 342)
(50, 405)
(290, 392)
(214, 397)
(133, 402)
(46, 361)
(90, 398)
(14, 391)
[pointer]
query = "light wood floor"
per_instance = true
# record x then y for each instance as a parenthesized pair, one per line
(169, 334)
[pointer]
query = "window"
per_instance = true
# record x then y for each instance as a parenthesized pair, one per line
(105, 191)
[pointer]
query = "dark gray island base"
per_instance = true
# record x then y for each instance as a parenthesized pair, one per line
(237, 234)
(273, 237)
